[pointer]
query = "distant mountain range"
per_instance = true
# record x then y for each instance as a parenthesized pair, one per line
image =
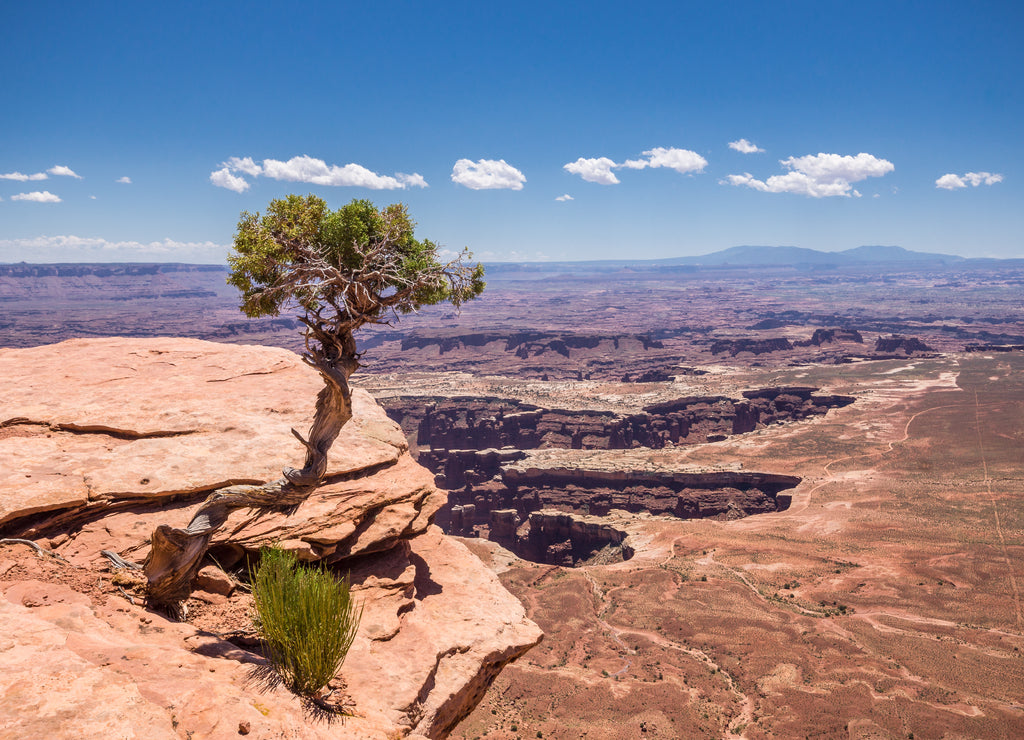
(743, 257)
(747, 257)
(753, 255)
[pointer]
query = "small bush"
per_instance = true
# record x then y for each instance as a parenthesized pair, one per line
(306, 620)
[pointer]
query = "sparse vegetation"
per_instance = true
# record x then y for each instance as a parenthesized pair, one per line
(306, 619)
(342, 270)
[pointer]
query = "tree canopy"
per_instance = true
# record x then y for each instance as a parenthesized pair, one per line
(345, 268)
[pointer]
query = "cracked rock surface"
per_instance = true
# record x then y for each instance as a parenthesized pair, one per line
(103, 439)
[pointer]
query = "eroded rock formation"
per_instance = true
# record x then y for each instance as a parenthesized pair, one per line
(503, 460)
(102, 439)
(526, 344)
(897, 343)
(437, 426)
(755, 346)
(561, 538)
(827, 336)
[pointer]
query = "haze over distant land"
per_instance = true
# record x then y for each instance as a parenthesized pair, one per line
(741, 256)
(753, 256)
(527, 134)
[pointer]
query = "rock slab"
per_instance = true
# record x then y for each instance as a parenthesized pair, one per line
(104, 439)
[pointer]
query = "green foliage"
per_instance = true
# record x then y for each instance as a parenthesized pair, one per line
(361, 260)
(306, 619)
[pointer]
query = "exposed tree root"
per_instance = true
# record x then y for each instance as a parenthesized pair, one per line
(176, 554)
(35, 546)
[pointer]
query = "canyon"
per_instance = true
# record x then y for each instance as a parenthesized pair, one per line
(740, 502)
(480, 451)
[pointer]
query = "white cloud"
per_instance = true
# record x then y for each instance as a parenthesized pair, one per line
(836, 167)
(245, 165)
(318, 172)
(564, 198)
(955, 182)
(983, 178)
(63, 171)
(680, 160)
(86, 249)
(950, 182)
(633, 164)
(311, 170)
(124, 180)
(37, 197)
(223, 178)
(487, 174)
(58, 169)
(414, 180)
(745, 147)
(818, 175)
(92, 197)
(597, 170)
(22, 178)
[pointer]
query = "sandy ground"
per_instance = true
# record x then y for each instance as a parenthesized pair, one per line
(885, 602)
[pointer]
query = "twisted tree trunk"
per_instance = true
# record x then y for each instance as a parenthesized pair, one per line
(335, 359)
(176, 554)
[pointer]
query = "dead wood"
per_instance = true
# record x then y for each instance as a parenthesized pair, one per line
(335, 358)
(176, 554)
(34, 545)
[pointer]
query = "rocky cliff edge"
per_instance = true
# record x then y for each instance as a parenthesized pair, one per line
(103, 439)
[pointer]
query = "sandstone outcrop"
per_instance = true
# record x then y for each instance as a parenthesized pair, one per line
(754, 346)
(561, 538)
(827, 336)
(526, 344)
(994, 347)
(897, 343)
(521, 507)
(105, 439)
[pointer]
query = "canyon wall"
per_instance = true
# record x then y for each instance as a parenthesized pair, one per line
(480, 450)
(441, 425)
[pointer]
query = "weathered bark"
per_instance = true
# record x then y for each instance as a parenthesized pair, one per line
(335, 359)
(176, 554)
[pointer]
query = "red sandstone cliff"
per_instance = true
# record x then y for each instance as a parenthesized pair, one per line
(103, 439)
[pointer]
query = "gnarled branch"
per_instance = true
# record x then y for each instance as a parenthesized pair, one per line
(176, 554)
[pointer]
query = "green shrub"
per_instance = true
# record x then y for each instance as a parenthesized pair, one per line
(306, 619)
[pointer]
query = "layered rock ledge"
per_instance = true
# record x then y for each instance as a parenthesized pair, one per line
(503, 460)
(103, 439)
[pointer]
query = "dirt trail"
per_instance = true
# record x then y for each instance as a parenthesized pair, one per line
(995, 511)
(613, 631)
(709, 559)
(746, 713)
(800, 506)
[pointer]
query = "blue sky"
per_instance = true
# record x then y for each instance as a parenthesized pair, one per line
(873, 123)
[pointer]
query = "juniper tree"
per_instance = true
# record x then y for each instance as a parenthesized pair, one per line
(341, 270)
